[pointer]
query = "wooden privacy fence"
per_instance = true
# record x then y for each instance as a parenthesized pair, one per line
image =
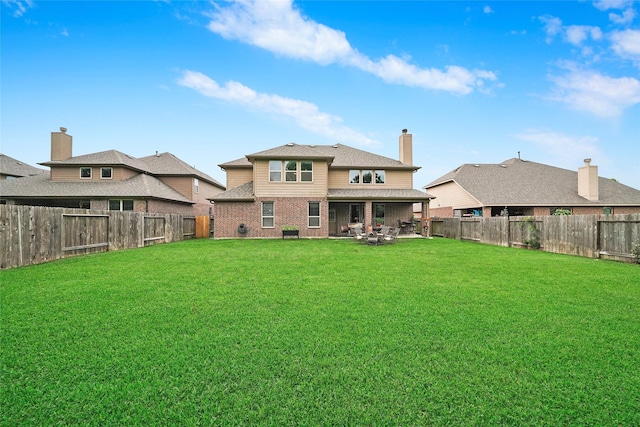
(35, 234)
(595, 236)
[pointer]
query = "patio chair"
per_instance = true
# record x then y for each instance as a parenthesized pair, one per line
(358, 235)
(392, 236)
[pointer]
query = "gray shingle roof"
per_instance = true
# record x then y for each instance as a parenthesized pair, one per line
(377, 194)
(343, 157)
(168, 164)
(525, 183)
(13, 167)
(241, 193)
(105, 158)
(139, 186)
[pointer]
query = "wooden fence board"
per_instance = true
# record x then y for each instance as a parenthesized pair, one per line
(35, 234)
(606, 236)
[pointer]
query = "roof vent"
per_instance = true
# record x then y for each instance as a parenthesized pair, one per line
(334, 146)
(477, 166)
(503, 166)
(290, 144)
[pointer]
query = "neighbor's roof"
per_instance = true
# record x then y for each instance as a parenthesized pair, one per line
(13, 167)
(41, 186)
(337, 155)
(105, 158)
(168, 164)
(525, 183)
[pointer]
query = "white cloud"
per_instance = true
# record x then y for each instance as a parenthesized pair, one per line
(279, 27)
(595, 93)
(627, 44)
(625, 18)
(612, 4)
(19, 7)
(305, 114)
(577, 34)
(487, 9)
(552, 26)
(567, 150)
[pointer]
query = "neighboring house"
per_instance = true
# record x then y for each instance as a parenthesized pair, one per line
(11, 168)
(111, 180)
(318, 188)
(520, 187)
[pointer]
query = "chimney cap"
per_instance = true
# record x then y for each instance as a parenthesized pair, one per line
(63, 129)
(587, 161)
(404, 131)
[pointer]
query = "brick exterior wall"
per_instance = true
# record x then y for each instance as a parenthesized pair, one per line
(287, 211)
(446, 212)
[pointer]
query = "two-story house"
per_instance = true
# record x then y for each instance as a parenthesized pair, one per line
(318, 188)
(112, 180)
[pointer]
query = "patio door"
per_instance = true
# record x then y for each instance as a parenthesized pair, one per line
(356, 213)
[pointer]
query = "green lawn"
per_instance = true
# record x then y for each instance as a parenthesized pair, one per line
(321, 332)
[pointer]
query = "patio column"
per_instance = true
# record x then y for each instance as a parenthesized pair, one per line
(368, 214)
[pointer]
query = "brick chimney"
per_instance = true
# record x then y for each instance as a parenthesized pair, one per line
(588, 181)
(406, 150)
(61, 145)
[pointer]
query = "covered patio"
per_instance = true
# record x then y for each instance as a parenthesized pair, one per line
(375, 208)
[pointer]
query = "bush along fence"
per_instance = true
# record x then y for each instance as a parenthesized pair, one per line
(596, 236)
(35, 234)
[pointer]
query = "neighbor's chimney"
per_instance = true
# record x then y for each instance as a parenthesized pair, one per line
(406, 155)
(61, 145)
(588, 181)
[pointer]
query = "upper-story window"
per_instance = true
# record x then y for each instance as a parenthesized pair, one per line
(106, 173)
(291, 166)
(306, 171)
(275, 170)
(196, 185)
(85, 173)
(294, 170)
(366, 176)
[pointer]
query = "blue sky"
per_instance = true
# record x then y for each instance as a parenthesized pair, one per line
(474, 82)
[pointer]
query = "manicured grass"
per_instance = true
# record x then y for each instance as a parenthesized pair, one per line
(321, 332)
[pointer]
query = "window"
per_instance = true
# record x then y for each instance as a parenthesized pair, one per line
(195, 185)
(378, 214)
(314, 214)
(106, 173)
(275, 171)
(607, 210)
(366, 176)
(120, 205)
(306, 171)
(291, 166)
(267, 215)
(85, 173)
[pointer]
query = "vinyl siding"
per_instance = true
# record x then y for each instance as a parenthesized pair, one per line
(237, 177)
(72, 174)
(264, 188)
(182, 184)
(451, 195)
(339, 178)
